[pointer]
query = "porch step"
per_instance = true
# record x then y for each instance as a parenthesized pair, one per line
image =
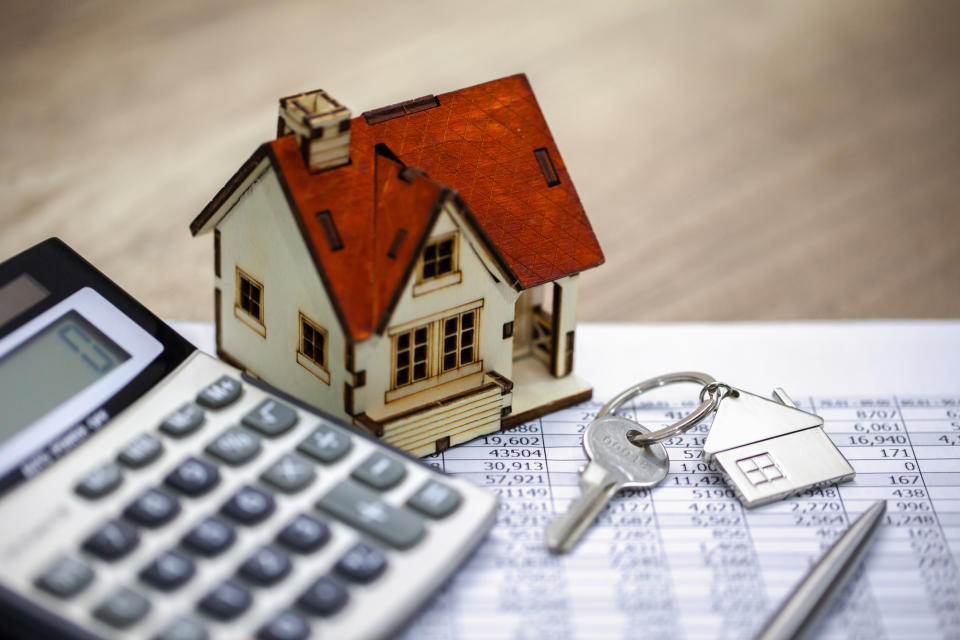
(414, 422)
(463, 419)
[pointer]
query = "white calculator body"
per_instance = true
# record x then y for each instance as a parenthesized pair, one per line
(151, 491)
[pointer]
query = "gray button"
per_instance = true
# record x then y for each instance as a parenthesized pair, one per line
(66, 577)
(235, 446)
(362, 563)
(363, 509)
(219, 394)
(123, 608)
(326, 444)
(380, 471)
(183, 629)
(141, 452)
(183, 421)
(289, 474)
(270, 418)
(435, 500)
(100, 481)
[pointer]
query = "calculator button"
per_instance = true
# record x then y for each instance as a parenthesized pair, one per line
(168, 571)
(380, 471)
(193, 477)
(113, 540)
(66, 577)
(141, 452)
(234, 446)
(267, 566)
(326, 444)
(183, 421)
(270, 418)
(304, 534)
(249, 505)
(363, 509)
(123, 608)
(211, 537)
(324, 597)
(289, 474)
(435, 500)
(362, 563)
(152, 509)
(227, 601)
(183, 629)
(219, 394)
(289, 625)
(100, 481)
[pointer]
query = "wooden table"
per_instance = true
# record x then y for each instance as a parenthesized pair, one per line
(749, 161)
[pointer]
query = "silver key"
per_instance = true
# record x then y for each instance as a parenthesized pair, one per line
(614, 463)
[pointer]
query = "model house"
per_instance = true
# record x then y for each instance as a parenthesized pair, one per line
(413, 270)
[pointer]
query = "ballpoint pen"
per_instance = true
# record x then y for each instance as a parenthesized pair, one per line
(810, 598)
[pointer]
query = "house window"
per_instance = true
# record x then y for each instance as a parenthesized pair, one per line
(250, 296)
(412, 358)
(459, 340)
(439, 257)
(313, 342)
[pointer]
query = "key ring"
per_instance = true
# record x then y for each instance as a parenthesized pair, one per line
(712, 389)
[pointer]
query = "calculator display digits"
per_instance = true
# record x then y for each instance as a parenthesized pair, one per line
(151, 491)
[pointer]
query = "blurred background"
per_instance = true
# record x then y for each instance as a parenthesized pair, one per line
(738, 160)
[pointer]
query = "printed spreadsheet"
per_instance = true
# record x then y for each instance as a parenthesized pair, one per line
(684, 559)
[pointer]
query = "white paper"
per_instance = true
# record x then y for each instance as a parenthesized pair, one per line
(685, 560)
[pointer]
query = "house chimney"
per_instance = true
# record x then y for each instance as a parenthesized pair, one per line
(321, 125)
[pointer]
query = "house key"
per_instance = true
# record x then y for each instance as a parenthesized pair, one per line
(614, 463)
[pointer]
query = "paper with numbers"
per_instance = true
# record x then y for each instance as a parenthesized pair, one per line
(685, 559)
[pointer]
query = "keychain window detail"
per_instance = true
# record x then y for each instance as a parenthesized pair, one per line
(313, 342)
(439, 258)
(760, 469)
(411, 358)
(459, 341)
(250, 295)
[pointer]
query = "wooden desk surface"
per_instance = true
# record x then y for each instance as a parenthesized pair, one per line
(738, 161)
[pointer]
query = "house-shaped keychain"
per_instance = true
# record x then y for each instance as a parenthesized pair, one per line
(768, 449)
(413, 270)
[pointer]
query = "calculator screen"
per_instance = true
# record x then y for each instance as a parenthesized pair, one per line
(60, 373)
(66, 357)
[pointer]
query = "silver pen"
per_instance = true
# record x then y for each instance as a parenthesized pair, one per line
(809, 599)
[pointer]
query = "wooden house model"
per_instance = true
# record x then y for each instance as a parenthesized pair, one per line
(413, 270)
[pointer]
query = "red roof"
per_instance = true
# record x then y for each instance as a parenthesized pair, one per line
(481, 142)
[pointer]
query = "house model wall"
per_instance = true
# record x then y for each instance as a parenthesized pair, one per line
(413, 270)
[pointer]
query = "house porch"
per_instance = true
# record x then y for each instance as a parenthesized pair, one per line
(537, 392)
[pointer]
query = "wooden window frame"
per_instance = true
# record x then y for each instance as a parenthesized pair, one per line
(243, 314)
(436, 374)
(454, 258)
(319, 368)
(453, 344)
(408, 370)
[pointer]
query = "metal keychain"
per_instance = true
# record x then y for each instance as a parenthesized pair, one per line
(766, 449)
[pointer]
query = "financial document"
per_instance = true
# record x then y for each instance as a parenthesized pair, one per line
(684, 559)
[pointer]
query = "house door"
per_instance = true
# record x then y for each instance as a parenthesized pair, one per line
(534, 324)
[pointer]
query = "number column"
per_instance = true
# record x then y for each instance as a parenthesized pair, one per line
(872, 436)
(933, 430)
(511, 569)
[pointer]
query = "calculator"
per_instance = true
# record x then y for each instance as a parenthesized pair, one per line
(152, 491)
